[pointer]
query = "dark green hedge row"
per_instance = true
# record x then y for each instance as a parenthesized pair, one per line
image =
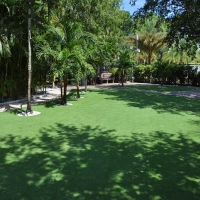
(167, 73)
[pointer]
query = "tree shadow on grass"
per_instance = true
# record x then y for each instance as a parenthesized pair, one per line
(52, 103)
(15, 111)
(65, 162)
(71, 97)
(56, 102)
(159, 102)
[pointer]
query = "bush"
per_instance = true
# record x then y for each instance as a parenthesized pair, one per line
(167, 73)
(143, 73)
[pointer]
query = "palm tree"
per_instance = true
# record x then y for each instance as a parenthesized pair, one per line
(30, 7)
(150, 37)
(63, 43)
(197, 57)
(67, 58)
(29, 110)
(80, 69)
(177, 53)
(71, 54)
(125, 60)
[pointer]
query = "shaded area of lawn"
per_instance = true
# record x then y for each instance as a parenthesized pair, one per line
(159, 102)
(159, 88)
(66, 162)
(71, 97)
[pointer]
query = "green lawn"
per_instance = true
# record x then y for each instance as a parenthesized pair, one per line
(110, 145)
(164, 88)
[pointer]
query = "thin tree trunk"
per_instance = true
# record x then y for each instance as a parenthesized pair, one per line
(149, 58)
(77, 90)
(29, 110)
(61, 93)
(45, 84)
(65, 91)
(161, 82)
(122, 76)
(53, 83)
(86, 84)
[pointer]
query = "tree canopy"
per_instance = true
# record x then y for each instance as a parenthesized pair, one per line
(182, 16)
(57, 49)
(151, 36)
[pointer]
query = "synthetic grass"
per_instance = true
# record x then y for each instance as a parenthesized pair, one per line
(109, 145)
(164, 88)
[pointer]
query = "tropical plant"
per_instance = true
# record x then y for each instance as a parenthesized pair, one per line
(125, 61)
(143, 73)
(50, 47)
(177, 53)
(151, 36)
(180, 14)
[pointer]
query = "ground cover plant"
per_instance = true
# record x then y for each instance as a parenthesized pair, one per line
(112, 144)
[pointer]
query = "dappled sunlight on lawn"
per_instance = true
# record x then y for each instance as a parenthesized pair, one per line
(159, 102)
(159, 88)
(66, 162)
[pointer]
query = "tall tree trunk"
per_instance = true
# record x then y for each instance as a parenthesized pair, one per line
(53, 82)
(29, 110)
(86, 84)
(77, 90)
(161, 82)
(61, 93)
(122, 77)
(65, 91)
(149, 57)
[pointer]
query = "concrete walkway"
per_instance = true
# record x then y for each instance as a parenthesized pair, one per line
(51, 93)
(54, 93)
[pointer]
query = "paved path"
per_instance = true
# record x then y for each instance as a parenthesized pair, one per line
(195, 94)
(51, 93)
(190, 93)
(55, 93)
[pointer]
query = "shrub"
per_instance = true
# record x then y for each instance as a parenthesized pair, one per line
(143, 73)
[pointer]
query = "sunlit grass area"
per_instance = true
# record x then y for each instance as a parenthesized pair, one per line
(112, 144)
(160, 88)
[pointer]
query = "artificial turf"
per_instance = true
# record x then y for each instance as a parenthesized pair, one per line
(164, 88)
(112, 144)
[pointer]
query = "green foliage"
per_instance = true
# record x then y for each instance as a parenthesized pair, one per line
(150, 36)
(143, 73)
(181, 16)
(4, 46)
(180, 53)
(175, 74)
(161, 70)
(69, 37)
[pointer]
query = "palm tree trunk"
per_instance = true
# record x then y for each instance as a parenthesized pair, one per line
(149, 57)
(53, 82)
(29, 110)
(65, 91)
(161, 82)
(77, 90)
(86, 84)
(61, 93)
(122, 77)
